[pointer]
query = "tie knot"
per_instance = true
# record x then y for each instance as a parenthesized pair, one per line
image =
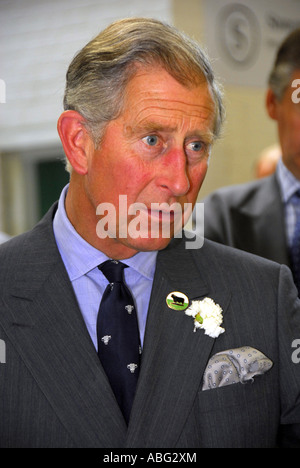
(113, 270)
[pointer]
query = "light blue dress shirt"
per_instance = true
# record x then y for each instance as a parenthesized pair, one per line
(81, 260)
(289, 185)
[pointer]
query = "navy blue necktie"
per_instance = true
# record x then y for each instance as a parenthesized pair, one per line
(118, 336)
(295, 250)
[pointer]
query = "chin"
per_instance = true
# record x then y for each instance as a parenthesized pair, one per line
(147, 245)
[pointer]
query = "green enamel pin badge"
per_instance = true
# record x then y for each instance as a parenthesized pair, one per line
(177, 301)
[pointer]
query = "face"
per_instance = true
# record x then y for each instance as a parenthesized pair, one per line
(287, 114)
(154, 155)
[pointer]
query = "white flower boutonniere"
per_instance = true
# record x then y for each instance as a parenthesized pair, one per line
(207, 315)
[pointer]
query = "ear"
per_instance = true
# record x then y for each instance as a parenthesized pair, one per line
(75, 139)
(271, 104)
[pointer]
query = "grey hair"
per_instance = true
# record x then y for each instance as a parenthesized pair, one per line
(286, 62)
(98, 75)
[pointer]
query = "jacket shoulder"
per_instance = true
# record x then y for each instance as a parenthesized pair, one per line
(233, 267)
(23, 249)
(236, 258)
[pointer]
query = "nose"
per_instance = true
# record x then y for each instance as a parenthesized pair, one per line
(173, 175)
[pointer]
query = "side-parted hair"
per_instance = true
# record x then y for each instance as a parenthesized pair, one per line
(286, 62)
(98, 75)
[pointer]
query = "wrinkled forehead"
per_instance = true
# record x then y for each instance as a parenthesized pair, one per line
(155, 95)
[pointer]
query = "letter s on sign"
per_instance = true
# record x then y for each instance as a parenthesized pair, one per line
(296, 93)
(295, 355)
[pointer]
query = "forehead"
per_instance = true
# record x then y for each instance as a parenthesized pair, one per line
(154, 94)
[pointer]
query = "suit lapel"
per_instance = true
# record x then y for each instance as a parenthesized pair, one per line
(44, 322)
(174, 357)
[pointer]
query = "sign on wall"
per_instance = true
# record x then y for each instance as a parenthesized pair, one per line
(243, 36)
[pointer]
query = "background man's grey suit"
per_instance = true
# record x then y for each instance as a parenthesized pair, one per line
(54, 393)
(249, 217)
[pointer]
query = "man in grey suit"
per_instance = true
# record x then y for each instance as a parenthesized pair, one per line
(261, 216)
(219, 328)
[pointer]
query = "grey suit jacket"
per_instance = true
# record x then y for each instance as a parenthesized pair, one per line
(54, 392)
(249, 217)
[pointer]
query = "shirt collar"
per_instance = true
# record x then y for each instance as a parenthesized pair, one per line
(288, 183)
(80, 257)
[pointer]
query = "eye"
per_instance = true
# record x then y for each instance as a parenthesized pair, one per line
(197, 150)
(196, 146)
(151, 140)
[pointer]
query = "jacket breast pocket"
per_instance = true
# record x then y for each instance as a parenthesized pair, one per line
(237, 415)
(238, 394)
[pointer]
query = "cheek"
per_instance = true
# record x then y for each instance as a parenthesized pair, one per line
(289, 132)
(290, 119)
(197, 176)
(134, 178)
(297, 125)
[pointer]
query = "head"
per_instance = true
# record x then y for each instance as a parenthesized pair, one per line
(280, 104)
(137, 72)
(98, 75)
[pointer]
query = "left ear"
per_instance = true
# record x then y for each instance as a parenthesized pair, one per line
(271, 104)
(76, 140)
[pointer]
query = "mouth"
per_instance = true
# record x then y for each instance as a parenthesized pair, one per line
(155, 220)
(163, 215)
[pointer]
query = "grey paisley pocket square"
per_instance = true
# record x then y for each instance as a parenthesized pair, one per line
(232, 366)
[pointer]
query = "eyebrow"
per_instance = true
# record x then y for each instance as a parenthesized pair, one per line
(148, 127)
(152, 127)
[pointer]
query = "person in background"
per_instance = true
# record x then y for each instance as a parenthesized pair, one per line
(121, 336)
(263, 217)
(267, 161)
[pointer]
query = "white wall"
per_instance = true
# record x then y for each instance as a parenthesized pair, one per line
(38, 40)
